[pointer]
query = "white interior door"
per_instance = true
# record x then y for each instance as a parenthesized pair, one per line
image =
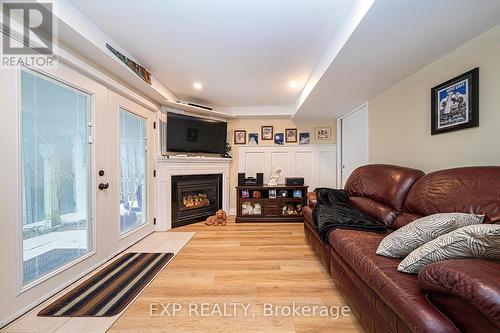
(54, 226)
(131, 187)
(354, 145)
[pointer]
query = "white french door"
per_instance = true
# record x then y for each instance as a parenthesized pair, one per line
(55, 142)
(131, 170)
(77, 181)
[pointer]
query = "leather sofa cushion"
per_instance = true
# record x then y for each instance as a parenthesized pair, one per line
(474, 281)
(399, 291)
(375, 209)
(384, 185)
(404, 219)
(467, 190)
(374, 315)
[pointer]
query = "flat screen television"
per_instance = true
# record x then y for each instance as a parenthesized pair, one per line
(188, 134)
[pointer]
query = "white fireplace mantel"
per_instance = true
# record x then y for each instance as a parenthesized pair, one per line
(181, 166)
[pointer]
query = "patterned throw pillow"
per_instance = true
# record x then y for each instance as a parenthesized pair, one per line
(474, 241)
(415, 234)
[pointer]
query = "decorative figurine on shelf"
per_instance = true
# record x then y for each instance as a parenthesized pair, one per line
(275, 176)
(219, 218)
(227, 151)
(299, 208)
(257, 194)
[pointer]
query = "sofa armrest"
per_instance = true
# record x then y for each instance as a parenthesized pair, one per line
(452, 285)
(312, 199)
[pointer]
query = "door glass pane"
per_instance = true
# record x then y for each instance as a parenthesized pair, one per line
(55, 164)
(132, 171)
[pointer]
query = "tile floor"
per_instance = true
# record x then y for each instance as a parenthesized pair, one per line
(30, 322)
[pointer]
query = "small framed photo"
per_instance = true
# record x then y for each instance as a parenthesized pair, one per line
(245, 194)
(267, 133)
(297, 193)
(278, 138)
(272, 194)
(240, 137)
(253, 139)
(323, 133)
(455, 103)
(304, 139)
(283, 193)
(291, 135)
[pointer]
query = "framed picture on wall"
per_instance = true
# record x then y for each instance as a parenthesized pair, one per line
(240, 137)
(323, 133)
(455, 103)
(253, 139)
(278, 138)
(304, 139)
(291, 135)
(266, 133)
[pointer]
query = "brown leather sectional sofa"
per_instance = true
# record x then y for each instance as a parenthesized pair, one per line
(448, 296)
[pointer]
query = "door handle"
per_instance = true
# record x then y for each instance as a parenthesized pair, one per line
(103, 186)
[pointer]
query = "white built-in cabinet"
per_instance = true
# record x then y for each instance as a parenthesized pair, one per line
(316, 162)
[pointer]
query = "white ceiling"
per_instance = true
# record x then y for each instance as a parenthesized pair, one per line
(394, 40)
(244, 52)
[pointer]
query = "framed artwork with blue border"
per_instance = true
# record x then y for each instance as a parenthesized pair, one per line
(278, 138)
(455, 103)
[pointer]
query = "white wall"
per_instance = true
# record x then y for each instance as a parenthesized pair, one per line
(400, 118)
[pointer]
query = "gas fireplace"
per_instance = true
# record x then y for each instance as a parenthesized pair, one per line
(195, 197)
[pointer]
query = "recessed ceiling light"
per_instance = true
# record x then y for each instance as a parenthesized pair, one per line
(293, 84)
(197, 85)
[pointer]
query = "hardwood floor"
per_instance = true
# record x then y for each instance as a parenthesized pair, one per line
(263, 267)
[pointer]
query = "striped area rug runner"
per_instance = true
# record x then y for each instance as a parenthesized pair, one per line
(109, 291)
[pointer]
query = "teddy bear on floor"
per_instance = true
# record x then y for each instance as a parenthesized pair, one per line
(219, 218)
